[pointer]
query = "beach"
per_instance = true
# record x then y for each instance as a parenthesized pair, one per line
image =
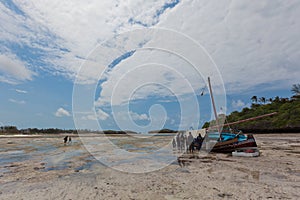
(45, 168)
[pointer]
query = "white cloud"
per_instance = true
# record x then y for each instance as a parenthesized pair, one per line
(62, 113)
(149, 73)
(138, 117)
(125, 116)
(17, 101)
(13, 70)
(99, 115)
(252, 42)
(21, 91)
(74, 26)
(237, 104)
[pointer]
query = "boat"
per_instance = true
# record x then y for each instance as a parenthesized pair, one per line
(225, 142)
(235, 142)
(217, 140)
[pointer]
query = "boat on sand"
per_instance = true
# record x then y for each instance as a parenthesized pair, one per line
(217, 140)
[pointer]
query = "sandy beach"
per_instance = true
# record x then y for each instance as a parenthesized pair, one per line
(44, 168)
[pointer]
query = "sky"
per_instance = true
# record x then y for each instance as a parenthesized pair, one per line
(142, 65)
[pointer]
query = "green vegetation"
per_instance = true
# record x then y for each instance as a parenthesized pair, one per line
(288, 115)
(32, 131)
(287, 118)
(10, 130)
(165, 130)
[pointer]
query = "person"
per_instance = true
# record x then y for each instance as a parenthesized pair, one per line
(65, 139)
(174, 143)
(178, 141)
(192, 146)
(190, 139)
(182, 142)
(199, 141)
(200, 137)
(186, 142)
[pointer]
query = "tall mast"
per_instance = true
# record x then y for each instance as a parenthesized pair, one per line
(214, 106)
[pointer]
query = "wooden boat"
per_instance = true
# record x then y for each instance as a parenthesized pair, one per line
(226, 142)
(235, 143)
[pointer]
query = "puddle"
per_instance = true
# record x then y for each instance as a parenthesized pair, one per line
(12, 156)
(60, 160)
(62, 166)
(90, 163)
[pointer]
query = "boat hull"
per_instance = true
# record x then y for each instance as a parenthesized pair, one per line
(229, 147)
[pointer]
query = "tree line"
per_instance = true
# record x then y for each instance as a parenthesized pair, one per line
(15, 130)
(286, 120)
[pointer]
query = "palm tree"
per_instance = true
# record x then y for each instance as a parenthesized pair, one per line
(296, 89)
(262, 100)
(254, 99)
(270, 100)
(276, 99)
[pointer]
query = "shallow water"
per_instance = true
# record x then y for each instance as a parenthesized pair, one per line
(54, 155)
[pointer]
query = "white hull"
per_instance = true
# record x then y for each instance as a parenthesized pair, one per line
(244, 154)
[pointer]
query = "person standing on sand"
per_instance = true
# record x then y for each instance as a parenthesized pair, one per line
(190, 139)
(199, 141)
(182, 143)
(174, 143)
(178, 141)
(65, 139)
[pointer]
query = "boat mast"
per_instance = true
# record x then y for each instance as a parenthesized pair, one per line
(214, 106)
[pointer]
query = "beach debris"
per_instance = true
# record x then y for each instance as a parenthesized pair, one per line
(12, 165)
(38, 168)
(223, 195)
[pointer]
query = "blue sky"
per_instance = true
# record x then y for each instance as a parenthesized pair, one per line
(49, 49)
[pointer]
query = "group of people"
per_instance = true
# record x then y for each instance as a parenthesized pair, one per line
(67, 139)
(182, 142)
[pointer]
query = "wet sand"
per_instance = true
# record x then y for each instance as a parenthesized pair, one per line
(42, 168)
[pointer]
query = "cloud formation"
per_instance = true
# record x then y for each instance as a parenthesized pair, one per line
(252, 42)
(238, 104)
(61, 37)
(61, 112)
(17, 101)
(99, 115)
(13, 70)
(21, 91)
